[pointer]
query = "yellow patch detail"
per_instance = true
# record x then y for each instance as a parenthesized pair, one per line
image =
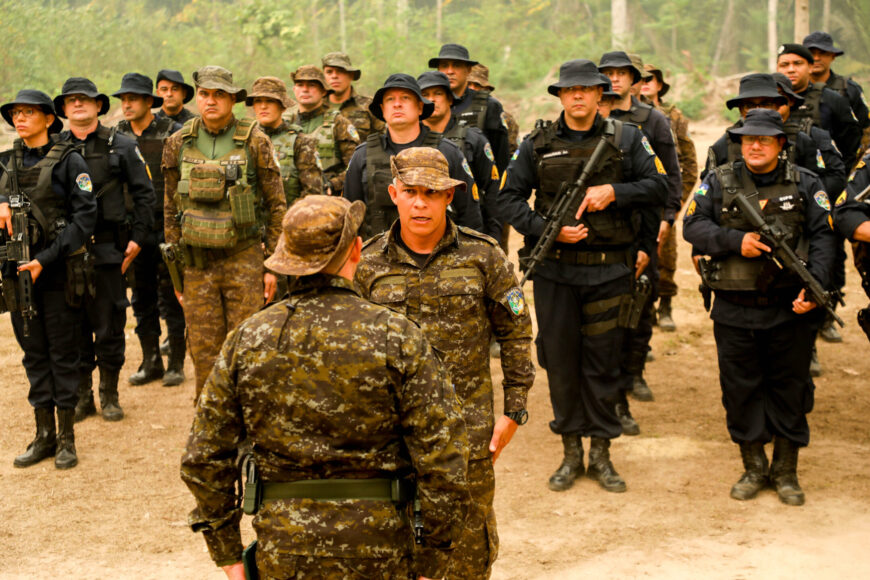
(503, 179)
(659, 167)
(762, 203)
(692, 207)
(494, 173)
(474, 193)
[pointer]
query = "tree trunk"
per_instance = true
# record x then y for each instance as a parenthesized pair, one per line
(402, 18)
(724, 34)
(826, 16)
(439, 7)
(771, 35)
(619, 24)
(315, 30)
(801, 19)
(341, 26)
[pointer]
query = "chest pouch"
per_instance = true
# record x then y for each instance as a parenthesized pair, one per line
(207, 183)
(208, 228)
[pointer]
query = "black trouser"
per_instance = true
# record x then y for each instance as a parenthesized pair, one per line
(765, 379)
(583, 367)
(104, 320)
(637, 340)
(153, 295)
(51, 352)
(839, 271)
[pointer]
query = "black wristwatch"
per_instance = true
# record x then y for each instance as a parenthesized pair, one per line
(520, 417)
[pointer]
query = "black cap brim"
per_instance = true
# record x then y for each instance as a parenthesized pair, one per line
(103, 100)
(158, 101)
(576, 81)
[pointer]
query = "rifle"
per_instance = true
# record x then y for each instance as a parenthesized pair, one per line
(562, 212)
(16, 248)
(785, 257)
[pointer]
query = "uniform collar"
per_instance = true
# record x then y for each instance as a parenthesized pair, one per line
(396, 253)
(230, 126)
(272, 131)
(562, 127)
(321, 110)
(319, 282)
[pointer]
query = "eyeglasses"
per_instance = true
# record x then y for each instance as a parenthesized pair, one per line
(760, 139)
(26, 113)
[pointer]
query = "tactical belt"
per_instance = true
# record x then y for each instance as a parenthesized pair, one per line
(752, 299)
(396, 490)
(587, 258)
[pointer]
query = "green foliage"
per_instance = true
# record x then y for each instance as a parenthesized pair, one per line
(693, 107)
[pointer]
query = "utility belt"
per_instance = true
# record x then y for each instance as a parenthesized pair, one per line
(778, 297)
(588, 257)
(199, 258)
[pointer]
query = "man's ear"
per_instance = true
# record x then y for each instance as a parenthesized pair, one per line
(449, 194)
(393, 191)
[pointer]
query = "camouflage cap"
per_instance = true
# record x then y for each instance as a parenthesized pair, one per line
(217, 77)
(637, 62)
(342, 61)
(310, 72)
(480, 74)
(423, 166)
(270, 88)
(318, 230)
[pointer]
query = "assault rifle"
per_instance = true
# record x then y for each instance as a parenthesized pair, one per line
(18, 293)
(563, 210)
(785, 257)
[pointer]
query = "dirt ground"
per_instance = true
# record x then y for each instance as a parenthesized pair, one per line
(122, 512)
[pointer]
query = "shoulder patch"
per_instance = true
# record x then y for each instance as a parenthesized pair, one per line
(504, 122)
(516, 301)
(820, 163)
(466, 167)
(351, 130)
(487, 150)
(516, 154)
(494, 176)
(646, 145)
(692, 207)
(474, 193)
(822, 200)
(702, 191)
(841, 199)
(659, 166)
(83, 181)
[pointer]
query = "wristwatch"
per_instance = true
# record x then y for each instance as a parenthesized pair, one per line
(520, 417)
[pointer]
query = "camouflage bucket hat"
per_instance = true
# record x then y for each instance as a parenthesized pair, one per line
(342, 61)
(423, 166)
(217, 77)
(480, 74)
(318, 231)
(309, 72)
(270, 88)
(637, 62)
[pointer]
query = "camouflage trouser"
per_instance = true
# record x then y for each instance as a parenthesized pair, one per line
(668, 264)
(216, 299)
(477, 547)
(314, 568)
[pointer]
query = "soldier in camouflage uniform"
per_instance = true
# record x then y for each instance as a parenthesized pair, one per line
(223, 188)
(461, 289)
(337, 136)
(654, 89)
(333, 392)
(298, 159)
(340, 74)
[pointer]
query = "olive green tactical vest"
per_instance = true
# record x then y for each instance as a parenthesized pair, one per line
(217, 195)
(322, 127)
(475, 114)
(559, 164)
(285, 145)
(810, 112)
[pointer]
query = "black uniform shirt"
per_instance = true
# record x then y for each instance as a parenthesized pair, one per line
(856, 99)
(848, 213)
(494, 126)
(838, 120)
(182, 117)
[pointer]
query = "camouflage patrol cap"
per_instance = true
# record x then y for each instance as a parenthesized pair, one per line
(657, 73)
(270, 88)
(217, 77)
(342, 61)
(637, 62)
(423, 166)
(480, 74)
(310, 72)
(317, 232)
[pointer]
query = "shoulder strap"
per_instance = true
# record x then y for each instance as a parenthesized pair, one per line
(243, 131)
(164, 127)
(190, 129)
(432, 139)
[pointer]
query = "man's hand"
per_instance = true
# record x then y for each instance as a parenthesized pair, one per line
(664, 229)
(504, 431)
(572, 234)
(641, 263)
(180, 297)
(235, 571)
(597, 198)
(801, 305)
(752, 246)
(270, 286)
(34, 267)
(6, 217)
(130, 254)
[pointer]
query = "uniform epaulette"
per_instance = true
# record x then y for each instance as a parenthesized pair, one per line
(190, 128)
(373, 239)
(244, 128)
(476, 234)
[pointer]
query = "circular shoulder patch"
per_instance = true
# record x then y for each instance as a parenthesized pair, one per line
(822, 200)
(516, 301)
(139, 155)
(83, 181)
(487, 150)
(351, 130)
(466, 167)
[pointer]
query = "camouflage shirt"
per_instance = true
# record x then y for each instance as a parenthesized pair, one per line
(305, 158)
(513, 131)
(269, 185)
(327, 385)
(356, 109)
(344, 135)
(686, 154)
(465, 292)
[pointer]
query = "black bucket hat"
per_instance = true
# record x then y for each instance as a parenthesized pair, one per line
(759, 122)
(619, 59)
(33, 97)
(784, 83)
(434, 78)
(755, 86)
(80, 86)
(452, 52)
(174, 76)
(823, 41)
(608, 90)
(138, 84)
(400, 81)
(798, 49)
(578, 73)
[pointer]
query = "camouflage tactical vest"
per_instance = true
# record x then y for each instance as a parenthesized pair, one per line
(324, 125)
(285, 145)
(151, 148)
(559, 164)
(381, 212)
(810, 112)
(781, 204)
(218, 197)
(475, 114)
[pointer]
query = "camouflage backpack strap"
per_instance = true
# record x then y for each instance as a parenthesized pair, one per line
(164, 127)
(242, 138)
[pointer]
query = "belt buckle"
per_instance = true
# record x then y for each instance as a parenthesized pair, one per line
(603, 257)
(558, 254)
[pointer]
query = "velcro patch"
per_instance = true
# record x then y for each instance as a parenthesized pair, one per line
(516, 301)
(822, 199)
(83, 181)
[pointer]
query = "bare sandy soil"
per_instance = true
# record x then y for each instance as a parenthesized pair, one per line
(122, 512)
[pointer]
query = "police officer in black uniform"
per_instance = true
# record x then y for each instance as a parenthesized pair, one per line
(153, 294)
(117, 170)
(435, 87)
(580, 285)
(763, 322)
(852, 215)
(368, 173)
(56, 181)
(175, 94)
(477, 108)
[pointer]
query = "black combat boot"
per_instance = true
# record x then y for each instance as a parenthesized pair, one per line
(600, 467)
(754, 478)
(66, 440)
(629, 425)
(783, 472)
(151, 368)
(829, 332)
(640, 390)
(174, 374)
(666, 322)
(45, 443)
(572, 465)
(815, 365)
(109, 406)
(85, 406)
